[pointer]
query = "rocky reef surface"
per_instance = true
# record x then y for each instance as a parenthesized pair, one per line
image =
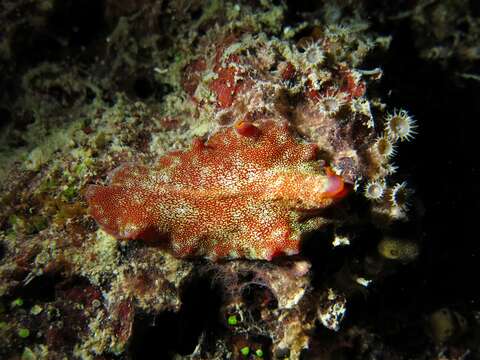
(236, 180)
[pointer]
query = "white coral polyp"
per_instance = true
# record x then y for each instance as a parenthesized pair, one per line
(384, 147)
(313, 54)
(400, 126)
(374, 190)
(331, 104)
(400, 195)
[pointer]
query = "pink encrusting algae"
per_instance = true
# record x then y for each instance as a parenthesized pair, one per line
(250, 191)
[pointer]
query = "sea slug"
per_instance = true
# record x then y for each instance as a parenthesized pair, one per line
(250, 191)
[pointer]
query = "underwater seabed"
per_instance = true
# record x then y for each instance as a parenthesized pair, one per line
(239, 180)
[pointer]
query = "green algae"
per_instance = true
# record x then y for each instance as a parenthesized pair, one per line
(23, 333)
(232, 320)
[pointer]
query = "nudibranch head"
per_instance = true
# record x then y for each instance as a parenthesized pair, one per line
(336, 188)
(246, 128)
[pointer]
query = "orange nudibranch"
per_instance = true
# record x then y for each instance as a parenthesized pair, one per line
(224, 212)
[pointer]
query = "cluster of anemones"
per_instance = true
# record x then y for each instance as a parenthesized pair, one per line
(398, 126)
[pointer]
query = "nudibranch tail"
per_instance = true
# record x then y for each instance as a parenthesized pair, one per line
(117, 212)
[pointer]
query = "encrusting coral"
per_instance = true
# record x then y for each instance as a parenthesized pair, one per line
(249, 191)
